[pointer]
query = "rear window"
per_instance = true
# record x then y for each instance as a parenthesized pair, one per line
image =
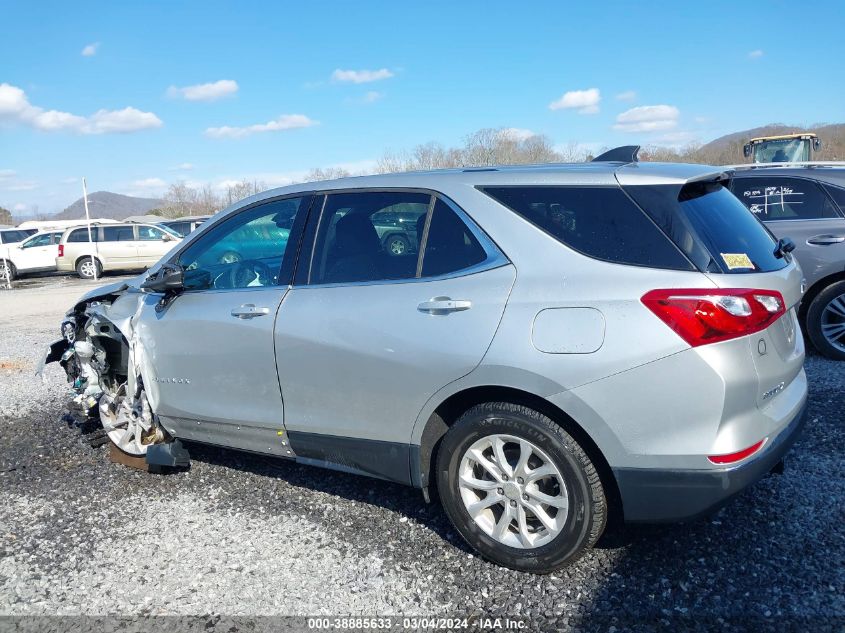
(711, 226)
(600, 222)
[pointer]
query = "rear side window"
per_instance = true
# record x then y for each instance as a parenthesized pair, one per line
(838, 194)
(711, 226)
(118, 234)
(774, 198)
(600, 222)
(81, 235)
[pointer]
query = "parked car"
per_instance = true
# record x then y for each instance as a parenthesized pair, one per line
(113, 247)
(186, 225)
(35, 254)
(569, 341)
(807, 204)
(15, 236)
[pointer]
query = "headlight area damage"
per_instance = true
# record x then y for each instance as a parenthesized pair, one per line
(103, 357)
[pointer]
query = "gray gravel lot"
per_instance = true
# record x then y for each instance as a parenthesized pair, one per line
(246, 535)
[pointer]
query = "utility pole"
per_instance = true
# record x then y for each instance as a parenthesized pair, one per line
(88, 220)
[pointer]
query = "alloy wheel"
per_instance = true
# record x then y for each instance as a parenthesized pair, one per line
(513, 491)
(833, 322)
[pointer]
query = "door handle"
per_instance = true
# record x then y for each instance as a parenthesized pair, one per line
(249, 311)
(444, 305)
(826, 240)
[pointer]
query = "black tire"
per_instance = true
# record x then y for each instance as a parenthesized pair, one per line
(397, 245)
(13, 272)
(587, 513)
(83, 268)
(816, 316)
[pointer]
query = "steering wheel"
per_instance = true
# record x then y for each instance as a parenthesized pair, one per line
(249, 272)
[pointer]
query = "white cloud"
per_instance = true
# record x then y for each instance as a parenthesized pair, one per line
(70, 181)
(677, 138)
(90, 50)
(205, 92)
(21, 185)
(183, 167)
(648, 119)
(628, 95)
(585, 101)
(15, 107)
(517, 133)
(5, 174)
(755, 54)
(284, 122)
(361, 76)
(20, 206)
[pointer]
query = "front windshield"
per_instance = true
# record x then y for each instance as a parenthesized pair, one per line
(782, 151)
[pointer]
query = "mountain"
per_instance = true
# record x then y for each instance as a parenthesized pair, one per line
(729, 146)
(105, 204)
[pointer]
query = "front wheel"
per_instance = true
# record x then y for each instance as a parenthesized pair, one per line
(519, 489)
(826, 321)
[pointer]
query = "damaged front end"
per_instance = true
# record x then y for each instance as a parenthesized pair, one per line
(105, 364)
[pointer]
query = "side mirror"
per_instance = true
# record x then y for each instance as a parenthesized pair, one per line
(746, 150)
(169, 278)
(166, 237)
(817, 144)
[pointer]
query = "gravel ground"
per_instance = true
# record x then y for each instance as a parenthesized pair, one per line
(245, 535)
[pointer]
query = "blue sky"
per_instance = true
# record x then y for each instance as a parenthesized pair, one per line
(136, 95)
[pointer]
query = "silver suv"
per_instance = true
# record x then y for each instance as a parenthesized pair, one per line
(561, 343)
(806, 203)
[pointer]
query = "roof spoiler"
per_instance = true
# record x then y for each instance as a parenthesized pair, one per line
(624, 154)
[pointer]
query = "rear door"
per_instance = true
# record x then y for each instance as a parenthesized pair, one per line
(801, 210)
(370, 334)
(117, 248)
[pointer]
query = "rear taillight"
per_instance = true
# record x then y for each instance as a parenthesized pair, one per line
(732, 458)
(61, 250)
(702, 316)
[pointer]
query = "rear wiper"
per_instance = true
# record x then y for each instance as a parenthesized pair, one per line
(784, 246)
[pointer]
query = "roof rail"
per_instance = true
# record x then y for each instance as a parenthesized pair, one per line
(805, 163)
(623, 154)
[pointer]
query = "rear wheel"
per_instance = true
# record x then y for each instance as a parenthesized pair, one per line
(88, 268)
(826, 321)
(519, 489)
(7, 270)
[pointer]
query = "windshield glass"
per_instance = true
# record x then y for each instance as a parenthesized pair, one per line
(782, 151)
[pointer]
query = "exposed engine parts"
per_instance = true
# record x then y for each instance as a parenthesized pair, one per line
(102, 360)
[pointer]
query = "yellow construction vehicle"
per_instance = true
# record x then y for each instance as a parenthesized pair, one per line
(787, 148)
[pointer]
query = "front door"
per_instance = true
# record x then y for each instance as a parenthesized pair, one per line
(210, 351)
(374, 333)
(36, 253)
(153, 244)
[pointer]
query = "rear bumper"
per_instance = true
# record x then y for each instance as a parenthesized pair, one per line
(658, 495)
